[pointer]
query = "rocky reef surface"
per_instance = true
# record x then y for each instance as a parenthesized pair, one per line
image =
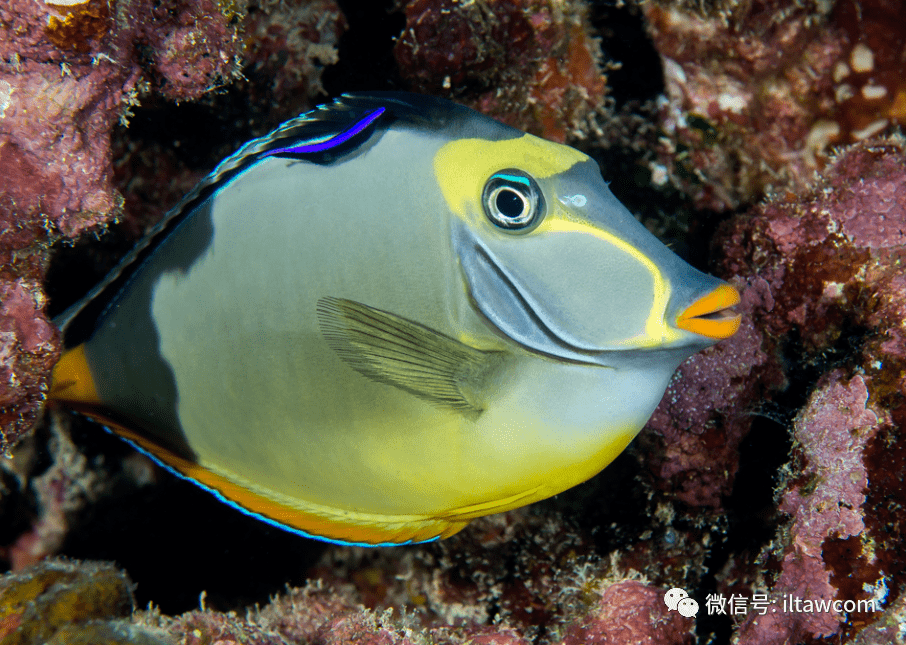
(772, 474)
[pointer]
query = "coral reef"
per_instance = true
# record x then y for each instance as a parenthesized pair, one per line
(834, 256)
(694, 435)
(825, 502)
(60, 492)
(756, 95)
(533, 64)
(73, 72)
(758, 91)
(630, 612)
(375, 597)
(28, 341)
(288, 46)
(627, 611)
(62, 603)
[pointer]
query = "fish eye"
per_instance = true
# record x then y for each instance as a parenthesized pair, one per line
(512, 200)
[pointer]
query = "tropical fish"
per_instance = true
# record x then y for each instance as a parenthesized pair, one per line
(386, 318)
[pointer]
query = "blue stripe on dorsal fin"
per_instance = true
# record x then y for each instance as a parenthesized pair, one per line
(335, 124)
(324, 134)
(321, 144)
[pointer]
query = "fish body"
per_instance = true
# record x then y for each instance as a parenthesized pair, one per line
(388, 317)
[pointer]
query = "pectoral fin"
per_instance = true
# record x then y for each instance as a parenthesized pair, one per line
(396, 351)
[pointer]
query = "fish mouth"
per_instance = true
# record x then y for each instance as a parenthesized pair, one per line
(712, 315)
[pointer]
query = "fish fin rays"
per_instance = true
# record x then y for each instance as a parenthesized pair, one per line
(399, 352)
(493, 506)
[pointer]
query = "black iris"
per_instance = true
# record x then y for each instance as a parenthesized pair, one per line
(510, 204)
(513, 201)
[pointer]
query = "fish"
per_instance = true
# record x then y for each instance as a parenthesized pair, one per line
(386, 318)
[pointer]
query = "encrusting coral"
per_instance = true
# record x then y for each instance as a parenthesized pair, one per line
(533, 64)
(832, 260)
(63, 603)
(757, 92)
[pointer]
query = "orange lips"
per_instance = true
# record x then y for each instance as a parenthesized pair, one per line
(711, 315)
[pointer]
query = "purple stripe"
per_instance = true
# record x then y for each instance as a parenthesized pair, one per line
(334, 141)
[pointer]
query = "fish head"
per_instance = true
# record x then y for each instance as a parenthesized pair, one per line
(554, 262)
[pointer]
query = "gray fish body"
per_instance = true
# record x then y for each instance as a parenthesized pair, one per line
(248, 339)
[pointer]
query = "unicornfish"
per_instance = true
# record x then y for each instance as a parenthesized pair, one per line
(386, 318)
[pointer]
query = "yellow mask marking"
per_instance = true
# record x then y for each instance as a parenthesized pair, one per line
(464, 165)
(657, 331)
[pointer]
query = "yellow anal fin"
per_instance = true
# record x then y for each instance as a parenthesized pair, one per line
(71, 379)
(393, 350)
(495, 506)
(295, 515)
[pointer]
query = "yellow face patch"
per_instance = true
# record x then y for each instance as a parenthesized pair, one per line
(462, 166)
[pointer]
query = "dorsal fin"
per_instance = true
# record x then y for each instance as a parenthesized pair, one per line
(323, 135)
(343, 125)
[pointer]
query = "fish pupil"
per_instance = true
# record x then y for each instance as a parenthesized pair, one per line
(513, 201)
(510, 203)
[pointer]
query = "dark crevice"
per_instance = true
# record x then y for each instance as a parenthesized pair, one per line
(624, 40)
(752, 514)
(366, 60)
(172, 530)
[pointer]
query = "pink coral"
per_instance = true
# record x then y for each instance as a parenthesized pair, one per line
(631, 612)
(829, 255)
(693, 437)
(758, 91)
(627, 611)
(832, 262)
(28, 349)
(70, 74)
(533, 64)
(825, 502)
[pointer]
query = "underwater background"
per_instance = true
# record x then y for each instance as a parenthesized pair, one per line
(760, 138)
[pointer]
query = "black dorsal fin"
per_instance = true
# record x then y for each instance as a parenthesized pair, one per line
(323, 135)
(342, 125)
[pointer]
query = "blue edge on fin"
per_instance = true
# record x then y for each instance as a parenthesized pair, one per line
(305, 148)
(257, 516)
(320, 146)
